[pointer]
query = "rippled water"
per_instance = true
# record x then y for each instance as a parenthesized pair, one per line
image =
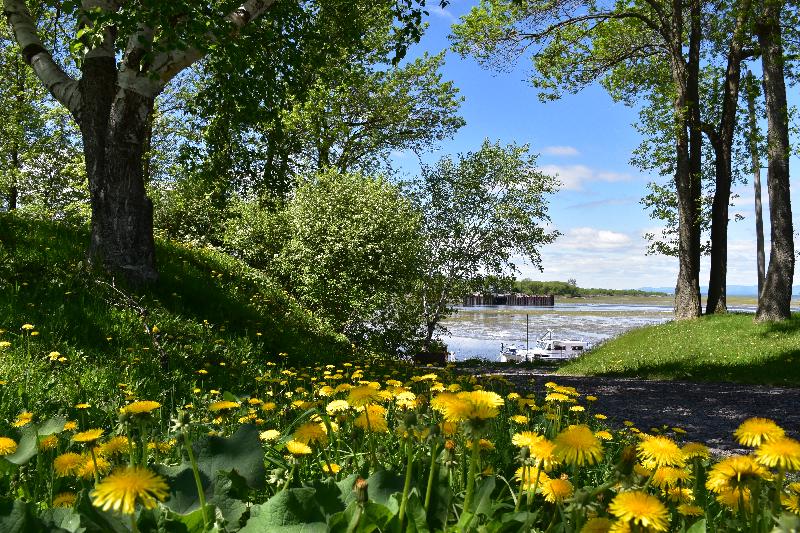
(479, 331)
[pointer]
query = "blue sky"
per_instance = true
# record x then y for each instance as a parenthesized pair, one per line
(587, 140)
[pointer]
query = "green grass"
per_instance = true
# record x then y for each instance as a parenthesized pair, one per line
(213, 315)
(712, 348)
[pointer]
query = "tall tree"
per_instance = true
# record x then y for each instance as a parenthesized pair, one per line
(721, 137)
(751, 89)
(774, 302)
(578, 42)
(113, 101)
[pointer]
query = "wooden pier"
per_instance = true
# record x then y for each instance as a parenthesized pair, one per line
(527, 300)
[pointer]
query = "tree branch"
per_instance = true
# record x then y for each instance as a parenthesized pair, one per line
(59, 83)
(168, 64)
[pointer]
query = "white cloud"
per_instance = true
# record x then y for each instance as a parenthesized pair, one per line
(565, 151)
(442, 12)
(593, 239)
(573, 177)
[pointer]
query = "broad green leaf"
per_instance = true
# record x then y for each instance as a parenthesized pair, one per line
(60, 519)
(289, 511)
(17, 516)
(698, 527)
(26, 448)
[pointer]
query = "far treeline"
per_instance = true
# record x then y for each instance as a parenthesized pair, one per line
(571, 289)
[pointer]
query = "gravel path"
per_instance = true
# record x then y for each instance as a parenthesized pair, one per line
(709, 412)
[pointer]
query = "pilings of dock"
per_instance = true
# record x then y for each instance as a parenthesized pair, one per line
(528, 300)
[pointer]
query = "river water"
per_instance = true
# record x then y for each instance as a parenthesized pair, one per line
(479, 331)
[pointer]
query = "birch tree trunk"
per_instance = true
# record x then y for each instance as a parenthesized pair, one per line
(775, 298)
(753, 147)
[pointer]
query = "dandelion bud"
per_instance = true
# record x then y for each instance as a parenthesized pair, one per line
(360, 488)
(524, 453)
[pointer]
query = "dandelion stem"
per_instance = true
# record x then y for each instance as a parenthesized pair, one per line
(473, 466)
(407, 483)
(134, 527)
(431, 475)
(522, 481)
(94, 461)
(196, 472)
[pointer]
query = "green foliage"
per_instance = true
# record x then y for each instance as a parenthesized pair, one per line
(480, 210)
(206, 308)
(190, 210)
(564, 288)
(353, 248)
(712, 348)
(256, 233)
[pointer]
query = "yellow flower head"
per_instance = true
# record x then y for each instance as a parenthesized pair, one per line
(141, 407)
(753, 431)
(269, 435)
(475, 405)
(363, 395)
(7, 446)
(70, 425)
(89, 465)
(604, 435)
(64, 499)
(47, 443)
(557, 490)
(686, 509)
(88, 436)
(406, 400)
(783, 453)
(640, 509)
(527, 477)
(525, 438)
(735, 473)
(373, 419)
(519, 419)
(297, 449)
(123, 489)
(333, 468)
(114, 446)
(598, 524)
(791, 502)
(337, 406)
(692, 450)
(577, 445)
(222, 405)
(67, 464)
(27, 327)
(668, 476)
(660, 451)
(23, 419)
(311, 433)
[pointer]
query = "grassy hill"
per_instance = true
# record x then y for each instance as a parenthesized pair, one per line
(208, 319)
(713, 348)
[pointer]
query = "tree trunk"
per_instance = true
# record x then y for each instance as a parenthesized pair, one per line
(753, 146)
(718, 274)
(688, 146)
(13, 190)
(775, 299)
(114, 124)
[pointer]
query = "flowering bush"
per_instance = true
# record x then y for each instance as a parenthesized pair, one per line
(365, 447)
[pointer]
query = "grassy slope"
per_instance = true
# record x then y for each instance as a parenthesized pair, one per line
(212, 313)
(713, 348)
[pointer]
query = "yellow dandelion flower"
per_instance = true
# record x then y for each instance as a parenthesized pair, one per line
(577, 408)
(89, 465)
(64, 499)
(475, 405)
(603, 435)
(311, 433)
(542, 451)
(783, 453)
(123, 489)
(114, 446)
(668, 476)
(268, 406)
(557, 490)
(753, 431)
(7, 446)
(600, 416)
(641, 509)
(141, 407)
(525, 438)
(47, 443)
(4, 344)
(557, 397)
(577, 445)
(686, 509)
(27, 327)
(297, 449)
(692, 450)
(598, 524)
(82, 405)
(363, 395)
(735, 473)
(679, 495)
(269, 435)
(23, 419)
(791, 502)
(88, 436)
(527, 477)
(406, 400)
(222, 405)
(331, 468)
(337, 406)
(660, 451)
(733, 498)
(519, 419)
(373, 419)
(67, 464)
